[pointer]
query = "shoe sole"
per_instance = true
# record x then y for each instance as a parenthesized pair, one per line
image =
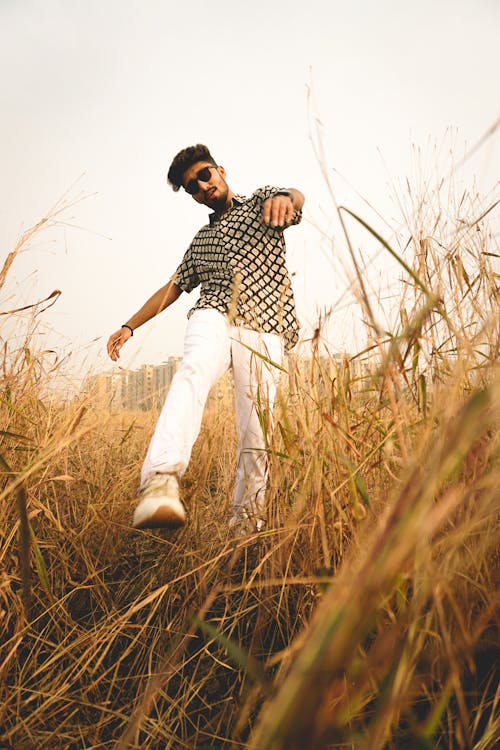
(151, 514)
(163, 518)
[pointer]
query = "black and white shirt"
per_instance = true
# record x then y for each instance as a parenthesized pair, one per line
(241, 267)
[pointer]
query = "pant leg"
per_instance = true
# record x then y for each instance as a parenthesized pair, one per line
(255, 382)
(207, 355)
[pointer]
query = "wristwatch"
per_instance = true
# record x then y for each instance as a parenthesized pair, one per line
(284, 192)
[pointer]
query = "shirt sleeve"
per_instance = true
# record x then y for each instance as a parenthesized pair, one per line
(262, 194)
(186, 276)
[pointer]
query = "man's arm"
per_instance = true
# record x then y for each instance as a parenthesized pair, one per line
(160, 300)
(279, 210)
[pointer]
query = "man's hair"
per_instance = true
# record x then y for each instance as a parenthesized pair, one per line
(185, 159)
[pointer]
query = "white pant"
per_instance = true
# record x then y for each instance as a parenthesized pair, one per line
(211, 346)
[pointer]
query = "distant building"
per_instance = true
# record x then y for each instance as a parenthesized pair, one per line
(325, 370)
(107, 389)
(145, 389)
(134, 390)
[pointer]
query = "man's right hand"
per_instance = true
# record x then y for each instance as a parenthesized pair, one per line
(116, 341)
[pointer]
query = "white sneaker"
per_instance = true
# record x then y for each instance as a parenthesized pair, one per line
(159, 504)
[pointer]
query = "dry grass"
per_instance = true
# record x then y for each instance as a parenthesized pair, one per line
(365, 617)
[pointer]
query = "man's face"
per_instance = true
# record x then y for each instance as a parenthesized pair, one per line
(212, 191)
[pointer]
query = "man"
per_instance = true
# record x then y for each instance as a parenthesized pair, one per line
(244, 318)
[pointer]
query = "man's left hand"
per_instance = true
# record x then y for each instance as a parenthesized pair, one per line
(278, 211)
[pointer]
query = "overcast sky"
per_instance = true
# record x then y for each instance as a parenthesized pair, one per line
(98, 96)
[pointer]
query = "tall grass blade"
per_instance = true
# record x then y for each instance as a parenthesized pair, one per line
(239, 657)
(394, 254)
(39, 561)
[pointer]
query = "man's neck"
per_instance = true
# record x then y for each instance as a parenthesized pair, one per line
(228, 204)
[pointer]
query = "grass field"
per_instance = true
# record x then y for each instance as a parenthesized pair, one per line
(365, 616)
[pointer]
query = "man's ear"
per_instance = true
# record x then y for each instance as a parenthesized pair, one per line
(221, 171)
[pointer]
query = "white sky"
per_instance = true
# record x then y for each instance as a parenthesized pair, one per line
(107, 91)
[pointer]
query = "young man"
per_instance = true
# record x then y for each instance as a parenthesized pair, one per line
(244, 318)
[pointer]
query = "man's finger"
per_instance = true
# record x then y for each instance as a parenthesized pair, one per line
(114, 347)
(275, 212)
(282, 205)
(266, 213)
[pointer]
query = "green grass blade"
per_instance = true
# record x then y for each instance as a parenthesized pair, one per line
(240, 657)
(394, 254)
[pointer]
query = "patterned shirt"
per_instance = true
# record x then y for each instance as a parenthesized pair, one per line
(240, 264)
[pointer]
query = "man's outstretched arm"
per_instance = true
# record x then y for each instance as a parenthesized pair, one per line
(159, 301)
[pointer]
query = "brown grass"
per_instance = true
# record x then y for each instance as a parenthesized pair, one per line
(366, 616)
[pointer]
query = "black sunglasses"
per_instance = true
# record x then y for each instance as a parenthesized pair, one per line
(203, 175)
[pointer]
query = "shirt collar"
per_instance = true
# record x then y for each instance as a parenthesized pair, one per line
(237, 201)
